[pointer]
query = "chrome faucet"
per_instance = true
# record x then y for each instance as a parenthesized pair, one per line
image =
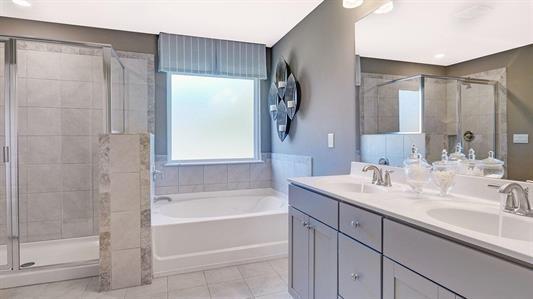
(517, 201)
(379, 177)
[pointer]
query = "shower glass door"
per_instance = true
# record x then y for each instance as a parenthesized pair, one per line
(60, 100)
(5, 219)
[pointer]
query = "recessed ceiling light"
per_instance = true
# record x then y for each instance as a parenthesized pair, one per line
(439, 56)
(352, 3)
(23, 3)
(385, 8)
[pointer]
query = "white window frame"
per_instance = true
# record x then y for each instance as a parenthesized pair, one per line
(257, 128)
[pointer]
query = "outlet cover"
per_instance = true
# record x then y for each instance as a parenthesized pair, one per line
(521, 138)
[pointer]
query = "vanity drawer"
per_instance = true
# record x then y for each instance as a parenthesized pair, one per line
(359, 270)
(361, 225)
(466, 271)
(315, 205)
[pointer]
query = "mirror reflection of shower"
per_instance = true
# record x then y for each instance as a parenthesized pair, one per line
(433, 112)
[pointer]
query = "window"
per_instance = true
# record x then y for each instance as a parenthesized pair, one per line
(410, 111)
(213, 119)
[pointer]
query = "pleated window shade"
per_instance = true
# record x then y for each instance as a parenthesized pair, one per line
(213, 57)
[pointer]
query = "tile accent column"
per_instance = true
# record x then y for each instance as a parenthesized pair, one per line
(125, 233)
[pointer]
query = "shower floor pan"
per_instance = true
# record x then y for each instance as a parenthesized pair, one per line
(55, 252)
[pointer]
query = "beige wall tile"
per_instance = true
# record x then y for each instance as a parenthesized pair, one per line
(125, 268)
(125, 190)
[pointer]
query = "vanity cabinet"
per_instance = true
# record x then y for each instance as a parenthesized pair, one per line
(402, 283)
(312, 257)
(339, 250)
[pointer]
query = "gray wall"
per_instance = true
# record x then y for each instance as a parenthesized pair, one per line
(321, 53)
(393, 67)
(519, 64)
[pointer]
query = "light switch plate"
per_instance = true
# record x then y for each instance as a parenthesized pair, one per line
(521, 138)
(331, 140)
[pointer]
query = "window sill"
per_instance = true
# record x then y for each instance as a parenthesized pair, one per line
(205, 163)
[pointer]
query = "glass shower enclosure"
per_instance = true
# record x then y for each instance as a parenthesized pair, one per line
(442, 110)
(56, 98)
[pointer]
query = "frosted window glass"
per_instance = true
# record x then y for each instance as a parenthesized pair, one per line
(410, 111)
(211, 118)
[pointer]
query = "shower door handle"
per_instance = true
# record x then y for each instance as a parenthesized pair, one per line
(6, 154)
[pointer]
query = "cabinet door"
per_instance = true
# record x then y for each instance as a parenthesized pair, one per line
(323, 260)
(359, 270)
(402, 283)
(299, 243)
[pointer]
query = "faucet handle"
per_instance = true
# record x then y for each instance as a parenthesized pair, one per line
(386, 178)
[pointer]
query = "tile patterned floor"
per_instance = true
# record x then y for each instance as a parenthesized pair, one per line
(264, 280)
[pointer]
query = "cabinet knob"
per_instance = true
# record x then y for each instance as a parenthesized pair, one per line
(305, 224)
(355, 276)
(355, 223)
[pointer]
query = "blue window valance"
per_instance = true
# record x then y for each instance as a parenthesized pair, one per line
(214, 57)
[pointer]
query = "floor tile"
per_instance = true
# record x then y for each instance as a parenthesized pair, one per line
(158, 289)
(66, 289)
(264, 285)
(281, 266)
(284, 295)
(91, 292)
(32, 291)
(256, 269)
(234, 290)
(191, 293)
(222, 275)
(186, 281)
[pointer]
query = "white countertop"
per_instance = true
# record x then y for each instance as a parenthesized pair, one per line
(401, 204)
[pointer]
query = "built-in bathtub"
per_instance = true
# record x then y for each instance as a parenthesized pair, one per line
(199, 231)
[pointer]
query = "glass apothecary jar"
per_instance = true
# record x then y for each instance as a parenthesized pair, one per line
(471, 166)
(443, 174)
(417, 171)
(492, 167)
(458, 155)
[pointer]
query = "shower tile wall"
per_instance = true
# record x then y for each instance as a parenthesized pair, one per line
(59, 102)
(479, 113)
(185, 179)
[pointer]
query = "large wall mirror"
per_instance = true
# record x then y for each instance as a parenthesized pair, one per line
(441, 73)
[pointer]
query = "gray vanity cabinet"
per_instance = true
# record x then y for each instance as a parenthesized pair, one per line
(313, 223)
(402, 283)
(312, 257)
(299, 240)
(359, 270)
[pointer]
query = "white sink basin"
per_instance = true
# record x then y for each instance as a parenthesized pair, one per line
(491, 223)
(363, 188)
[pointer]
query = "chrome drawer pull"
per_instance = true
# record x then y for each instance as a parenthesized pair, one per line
(355, 276)
(355, 223)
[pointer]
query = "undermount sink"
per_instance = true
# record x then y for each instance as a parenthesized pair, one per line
(363, 188)
(504, 225)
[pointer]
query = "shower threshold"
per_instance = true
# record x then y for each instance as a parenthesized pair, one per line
(55, 252)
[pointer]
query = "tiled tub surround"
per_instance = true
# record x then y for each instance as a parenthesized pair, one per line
(285, 166)
(125, 225)
(272, 172)
(200, 178)
(59, 103)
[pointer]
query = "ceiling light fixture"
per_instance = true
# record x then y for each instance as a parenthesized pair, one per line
(439, 56)
(23, 3)
(352, 3)
(385, 8)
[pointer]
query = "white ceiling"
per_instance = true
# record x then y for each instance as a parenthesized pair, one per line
(260, 21)
(417, 30)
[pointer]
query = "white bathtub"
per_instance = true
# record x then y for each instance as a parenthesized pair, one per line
(199, 231)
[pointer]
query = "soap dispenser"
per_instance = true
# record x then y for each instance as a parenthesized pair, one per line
(443, 174)
(417, 170)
